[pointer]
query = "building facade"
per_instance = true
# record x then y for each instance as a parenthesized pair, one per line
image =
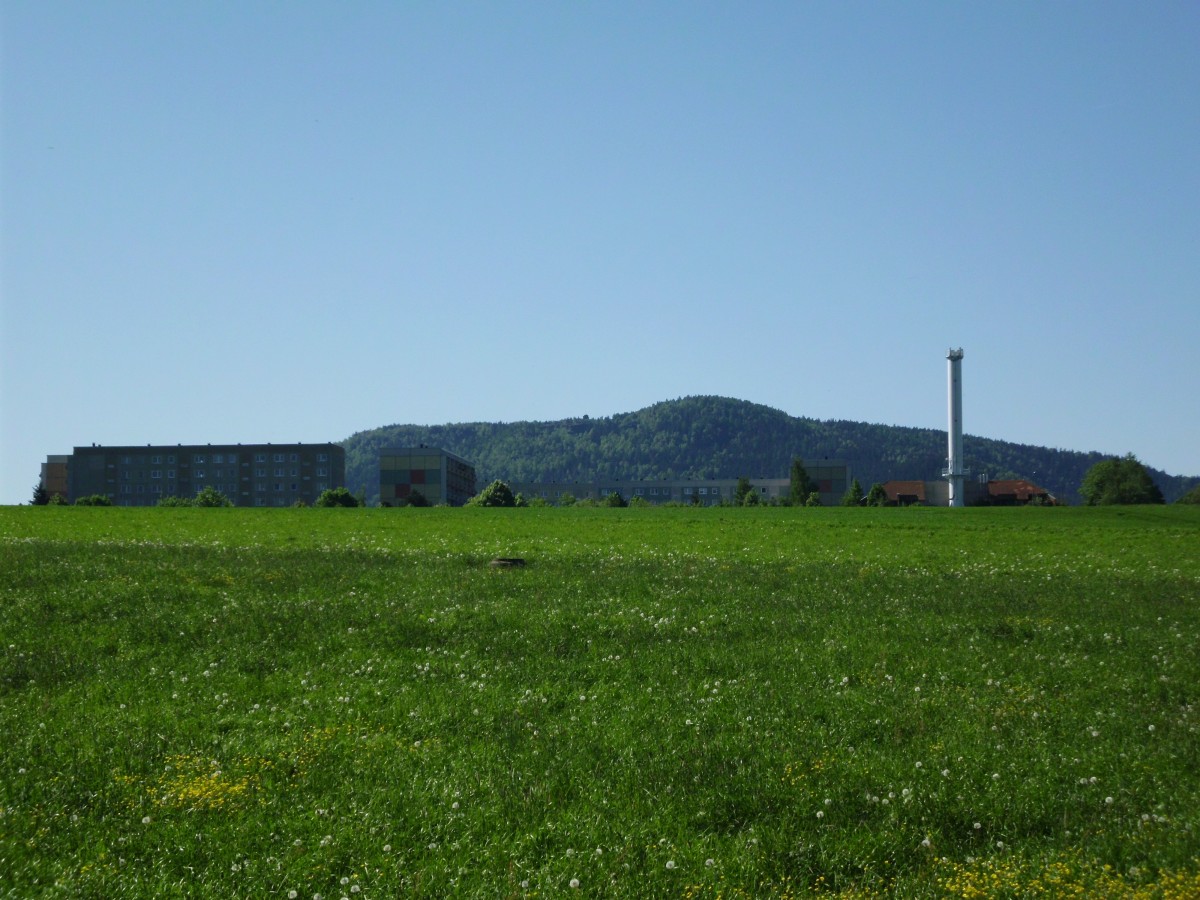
(438, 476)
(248, 474)
(831, 478)
(54, 476)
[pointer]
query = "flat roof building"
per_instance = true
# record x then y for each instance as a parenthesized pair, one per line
(436, 476)
(830, 477)
(248, 474)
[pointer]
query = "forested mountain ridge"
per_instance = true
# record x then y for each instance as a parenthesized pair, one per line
(716, 437)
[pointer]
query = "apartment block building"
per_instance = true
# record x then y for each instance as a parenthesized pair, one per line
(248, 474)
(438, 475)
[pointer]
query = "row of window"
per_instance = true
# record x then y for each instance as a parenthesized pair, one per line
(221, 458)
(155, 474)
(227, 489)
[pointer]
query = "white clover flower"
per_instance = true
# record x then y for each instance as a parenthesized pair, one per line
(820, 813)
(710, 862)
(670, 863)
(145, 820)
(574, 882)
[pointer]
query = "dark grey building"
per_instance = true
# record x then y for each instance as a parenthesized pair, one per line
(248, 474)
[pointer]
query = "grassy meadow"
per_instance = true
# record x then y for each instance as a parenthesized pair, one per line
(709, 703)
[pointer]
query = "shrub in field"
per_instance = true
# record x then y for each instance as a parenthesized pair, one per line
(94, 500)
(336, 497)
(210, 498)
(877, 496)
(495, 494)
(174, 502)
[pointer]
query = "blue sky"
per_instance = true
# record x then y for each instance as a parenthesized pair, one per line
(258, 221)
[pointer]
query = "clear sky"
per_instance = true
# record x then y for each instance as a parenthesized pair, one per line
(267, 221)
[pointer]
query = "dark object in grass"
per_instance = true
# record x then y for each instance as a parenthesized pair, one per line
(506, 562)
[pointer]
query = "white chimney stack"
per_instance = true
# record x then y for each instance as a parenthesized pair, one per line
(954, 471)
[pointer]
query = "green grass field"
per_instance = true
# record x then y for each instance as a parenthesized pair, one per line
(663, 702)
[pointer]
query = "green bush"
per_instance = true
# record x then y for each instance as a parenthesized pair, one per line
(336, 497)
(94, 500)
(495, 494)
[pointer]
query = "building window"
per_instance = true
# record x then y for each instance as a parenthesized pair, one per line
(295, 487)
(156, 488)
(155, 460)
(295, 457)
(156, 473)
(171, 460)
(260, 487)
(322, 457)
(322, 486)
(260, 473)
(198, 459)
(279, 473)
(170, 473)
(278, 486)
(278, 457)
(260, 457)
(259, 501)
(322, 471)
(295, 472)
(218, 458)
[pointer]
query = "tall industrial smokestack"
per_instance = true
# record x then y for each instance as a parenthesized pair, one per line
(954, 471)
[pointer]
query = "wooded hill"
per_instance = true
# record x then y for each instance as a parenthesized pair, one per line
(717, 437)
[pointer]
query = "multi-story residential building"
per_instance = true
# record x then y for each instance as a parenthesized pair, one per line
(248, 474)
(54, 476)
(830, 477)
(438, 475)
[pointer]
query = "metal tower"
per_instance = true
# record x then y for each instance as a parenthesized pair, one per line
(954, 470)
